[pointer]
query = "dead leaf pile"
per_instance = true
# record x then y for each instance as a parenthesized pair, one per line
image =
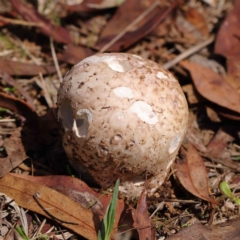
(197, 40)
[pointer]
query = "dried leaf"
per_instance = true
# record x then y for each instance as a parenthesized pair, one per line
(15, 151)
(56, 205)
(84, 195)
(198, 20)
(213, 87)
(26, 69)
(122, 19)
(223, 231)
(228, 40)
(142, 221)
(219, 143)
(192, 173)
(73, 54)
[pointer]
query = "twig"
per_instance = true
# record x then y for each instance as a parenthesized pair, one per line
(129, 27)
(54, 56)
(188, 53)
(20, 22)
(7, 120)
(46, 92)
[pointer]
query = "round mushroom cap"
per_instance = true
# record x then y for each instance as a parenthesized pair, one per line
(122, 116)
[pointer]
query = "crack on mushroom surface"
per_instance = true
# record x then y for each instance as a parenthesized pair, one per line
(122, 116)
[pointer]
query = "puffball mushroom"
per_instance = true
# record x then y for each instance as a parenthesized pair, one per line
(122, 116)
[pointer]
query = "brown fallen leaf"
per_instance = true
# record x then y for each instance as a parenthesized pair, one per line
(216, 148)
(84, 195)
(142, 222)
(192, 173)
(223, 231)
(15, 151)
(219, 143)
(228, 39)
(26, 69)
(54, 205)
(198, 20)
(58, 33)
(73, 54)
(122, 19)
(213, 87)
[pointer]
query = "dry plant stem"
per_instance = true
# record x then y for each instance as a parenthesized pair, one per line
(7, 120)
(208, 164)
(175, 218)
(129, 27)
(54, 56)
(20, 22)
(188, 53)
(46, 93)
(9, 232)
(160, 205)
(172, 200)
(39, 229)
(32, 167)
(228, 164)
(6, 53)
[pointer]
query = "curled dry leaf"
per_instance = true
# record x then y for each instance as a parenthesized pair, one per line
(192, 173)
(223, 231)
(213, 87)
(15, 151)
(219, 143)
(26, 69)
(54, 205)
(198, 20)
(80, 192)
(142, 221)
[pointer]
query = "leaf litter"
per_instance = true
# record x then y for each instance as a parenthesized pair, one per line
(197, 40)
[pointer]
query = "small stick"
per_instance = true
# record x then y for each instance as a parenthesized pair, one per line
(46, 92)
(188, 53)
(54, 56)
(20, 22)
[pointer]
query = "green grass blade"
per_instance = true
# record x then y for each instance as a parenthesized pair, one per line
(21, 232)
(225, 189)
(109, 218)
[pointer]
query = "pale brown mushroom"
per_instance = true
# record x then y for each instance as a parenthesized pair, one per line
(122, 116)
